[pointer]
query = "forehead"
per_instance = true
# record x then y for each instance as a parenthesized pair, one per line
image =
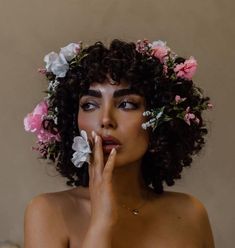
(107, 87)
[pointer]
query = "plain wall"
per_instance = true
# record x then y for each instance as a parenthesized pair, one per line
(30, 29)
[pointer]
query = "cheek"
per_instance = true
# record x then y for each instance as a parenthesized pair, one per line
(137, 137)
(86, 122)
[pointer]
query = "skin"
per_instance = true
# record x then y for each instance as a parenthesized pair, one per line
(92, 217)
(120, 118)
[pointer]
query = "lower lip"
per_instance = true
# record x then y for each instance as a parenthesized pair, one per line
(108, 148)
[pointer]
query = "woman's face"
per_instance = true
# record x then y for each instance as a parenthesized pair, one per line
(115, 111)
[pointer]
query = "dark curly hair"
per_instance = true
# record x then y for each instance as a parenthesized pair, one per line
(174, 142)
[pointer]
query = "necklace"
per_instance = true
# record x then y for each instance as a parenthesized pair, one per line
(134, 211)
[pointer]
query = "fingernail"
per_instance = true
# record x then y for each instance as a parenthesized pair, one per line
(93, 134)
(96, 139)
(113, 151)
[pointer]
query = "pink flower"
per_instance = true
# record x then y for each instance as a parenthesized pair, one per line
(33, 123)
(165, 69)
(43, 71)
(187, 69)
(178, 99)
(189, 116)
(45, 136)
(142, 46)
(159, 50)
(210, 106)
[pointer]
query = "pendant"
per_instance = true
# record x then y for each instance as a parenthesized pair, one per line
(135, 211)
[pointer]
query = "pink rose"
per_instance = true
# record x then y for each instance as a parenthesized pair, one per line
(159, 50)
(33, 121)
(187, 69)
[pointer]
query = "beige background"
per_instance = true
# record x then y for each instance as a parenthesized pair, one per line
(30, 29)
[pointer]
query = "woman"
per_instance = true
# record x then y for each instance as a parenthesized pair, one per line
(118, 122)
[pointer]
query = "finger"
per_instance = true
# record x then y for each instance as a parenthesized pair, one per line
(90, 170)
(98, 155)
(91, 141)
(92, 146)
(108, 169)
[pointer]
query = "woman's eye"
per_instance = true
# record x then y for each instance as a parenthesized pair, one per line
(128, 105)
(87, 106)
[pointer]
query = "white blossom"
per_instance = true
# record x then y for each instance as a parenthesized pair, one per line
(49, 60)
(159, 115)
(144, 126)
(70, 51)
(146, 113)
(82, 150)
(56, 64)
(158, 43)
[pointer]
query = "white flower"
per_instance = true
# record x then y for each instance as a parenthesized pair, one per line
(144, 126)
(60, 66)
(146, 113)
(52, 85)
(49, 60)
(159, 43)
(70, 51)
(57, 64)
(82, 150)
(159, 115)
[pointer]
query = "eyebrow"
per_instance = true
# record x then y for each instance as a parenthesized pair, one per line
(116, 94)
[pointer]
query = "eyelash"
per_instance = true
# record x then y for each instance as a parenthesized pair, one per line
(84, 105)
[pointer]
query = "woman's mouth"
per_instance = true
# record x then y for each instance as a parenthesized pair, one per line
(108, 148)
(110, 142)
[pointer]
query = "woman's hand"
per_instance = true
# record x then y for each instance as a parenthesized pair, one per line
(103, 203)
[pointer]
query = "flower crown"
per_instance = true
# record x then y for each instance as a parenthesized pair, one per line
(69, 57)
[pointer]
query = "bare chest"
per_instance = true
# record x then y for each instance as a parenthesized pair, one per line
(161, 232)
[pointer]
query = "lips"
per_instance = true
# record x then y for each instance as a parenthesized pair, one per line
(110, 142)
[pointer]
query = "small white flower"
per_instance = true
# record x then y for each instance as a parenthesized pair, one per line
(146, 113)
(52, 85)
(159, 115)
(82, 150)
(70, 51)
(144, 126)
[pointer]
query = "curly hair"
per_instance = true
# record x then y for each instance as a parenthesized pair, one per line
(174, 142)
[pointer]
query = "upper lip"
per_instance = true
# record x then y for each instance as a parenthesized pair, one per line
(110, 139)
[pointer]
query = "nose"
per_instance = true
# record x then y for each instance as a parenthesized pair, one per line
(108, 119)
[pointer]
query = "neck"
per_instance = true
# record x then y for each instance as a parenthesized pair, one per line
(128, 186)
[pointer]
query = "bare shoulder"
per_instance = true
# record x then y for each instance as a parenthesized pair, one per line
(185, 205)
(193, 212)
(186, 202)
(44, 223)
